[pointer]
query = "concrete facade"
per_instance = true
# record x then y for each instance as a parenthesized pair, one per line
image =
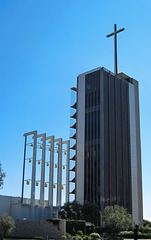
(22, 215)
(108, 151)
(80, 146)
(45, 229)
(20, 211)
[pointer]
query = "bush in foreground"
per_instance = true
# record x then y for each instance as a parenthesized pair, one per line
(116, 219)
(7, 224)
(95, 236)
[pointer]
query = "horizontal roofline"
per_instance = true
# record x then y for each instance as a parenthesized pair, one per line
(120, 75)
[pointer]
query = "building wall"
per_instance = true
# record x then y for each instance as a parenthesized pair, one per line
(80, 140)
(13, 207)
(5, 205)
(26, 228)
(138, 144)
(32, 229)
(108, 116)
(134, 167)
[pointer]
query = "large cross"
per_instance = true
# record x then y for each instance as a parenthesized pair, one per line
(115, 45)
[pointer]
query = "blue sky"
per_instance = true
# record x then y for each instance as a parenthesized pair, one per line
(44, 45)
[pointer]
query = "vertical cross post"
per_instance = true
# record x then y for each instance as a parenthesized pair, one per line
(115, 50)
(115, 45)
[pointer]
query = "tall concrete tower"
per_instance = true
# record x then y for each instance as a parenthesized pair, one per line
(108, 151)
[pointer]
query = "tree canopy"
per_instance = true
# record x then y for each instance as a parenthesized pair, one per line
(72, 210)
(2, 175)
(90, 212)
(147, 223)
(76, 211)
(117, 218)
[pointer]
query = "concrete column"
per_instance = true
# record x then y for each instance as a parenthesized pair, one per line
(80, 138)
(59, 173)
(22, 194)
(67, 169)
(50, 197)
(42, 183)
(133, 147)
(33, 171)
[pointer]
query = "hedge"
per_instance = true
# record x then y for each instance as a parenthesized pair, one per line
(72, 226)
(140, 235)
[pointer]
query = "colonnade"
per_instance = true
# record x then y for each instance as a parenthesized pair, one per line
(47, 143)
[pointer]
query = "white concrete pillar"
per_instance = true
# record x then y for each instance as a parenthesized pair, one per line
(42, 183)
(80, 138)
(22, 194)
(67, 169)
(59, 173)
(134, 166)
(51, 169)
(33, 176)
(33, 171)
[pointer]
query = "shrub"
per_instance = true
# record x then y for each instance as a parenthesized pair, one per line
(95, 235)
(78, 237)
(68, 235)
(74, 237)
(116, 219)
(145, 229)
(72, 226)
(64, 237)
(7, 224)
(92, 228)
(144, 235)
(86, 237)
(147, 223)
(79, 232)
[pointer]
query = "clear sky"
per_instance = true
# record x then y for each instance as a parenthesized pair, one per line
(44, 45)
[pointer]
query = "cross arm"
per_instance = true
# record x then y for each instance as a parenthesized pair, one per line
(120, 30)
(111, 34)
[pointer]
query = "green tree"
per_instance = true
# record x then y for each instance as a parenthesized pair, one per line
(2, 175)
(116, 219)
(72, 210)
(7, 224)
(90, 212)
(146, 223)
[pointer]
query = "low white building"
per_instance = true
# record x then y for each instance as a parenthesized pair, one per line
(22, 211)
